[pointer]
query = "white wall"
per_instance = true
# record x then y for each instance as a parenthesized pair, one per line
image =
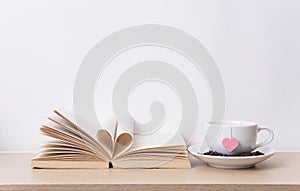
(255, 43)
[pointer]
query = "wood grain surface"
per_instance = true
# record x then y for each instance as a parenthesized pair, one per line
(281, 172)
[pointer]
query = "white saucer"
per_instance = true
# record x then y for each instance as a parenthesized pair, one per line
(231, 162)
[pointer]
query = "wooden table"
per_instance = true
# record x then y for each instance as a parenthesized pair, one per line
(281, 172)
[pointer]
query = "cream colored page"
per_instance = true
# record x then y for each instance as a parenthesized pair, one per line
(59, 123)
(51, 129)
(153, 150)
(66, 125)
(106, 135)
(157, 140)
(124, 136)
(67, 119)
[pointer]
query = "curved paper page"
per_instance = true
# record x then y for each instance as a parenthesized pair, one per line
(64, 124)
(157, 140)
(157, 149)
(106, 135)
(124, 137)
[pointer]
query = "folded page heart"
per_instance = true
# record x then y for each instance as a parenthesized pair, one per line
(230, 144)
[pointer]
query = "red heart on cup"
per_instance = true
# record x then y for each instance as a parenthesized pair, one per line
(230, 144)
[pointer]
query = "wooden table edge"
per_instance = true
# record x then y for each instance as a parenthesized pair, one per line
(150, 187)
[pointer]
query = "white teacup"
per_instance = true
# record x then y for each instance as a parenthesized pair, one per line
(236, 137)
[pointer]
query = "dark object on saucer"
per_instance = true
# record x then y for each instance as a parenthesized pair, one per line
(214, 153)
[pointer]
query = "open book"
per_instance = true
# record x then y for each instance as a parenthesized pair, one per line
(113, 147)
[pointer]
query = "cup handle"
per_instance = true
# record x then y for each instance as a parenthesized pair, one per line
(268, 140)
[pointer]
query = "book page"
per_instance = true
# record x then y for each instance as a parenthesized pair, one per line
(72, 139)
(174, 163)
(107, 134)
(124, 137)
(61, 124)
(63, 128)
(153, 150)
(68, 119)
(65, 147)
(157, 140)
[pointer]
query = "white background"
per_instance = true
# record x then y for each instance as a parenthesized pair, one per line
(255, 44)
